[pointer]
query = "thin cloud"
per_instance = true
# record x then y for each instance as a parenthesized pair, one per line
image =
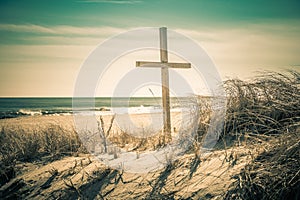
(112, 1)
(61, 30)
(64, 40)
(25, 28)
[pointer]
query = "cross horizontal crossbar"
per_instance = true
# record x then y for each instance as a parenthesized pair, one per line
(162, 64)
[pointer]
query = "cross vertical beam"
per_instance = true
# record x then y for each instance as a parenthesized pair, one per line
(165, 80)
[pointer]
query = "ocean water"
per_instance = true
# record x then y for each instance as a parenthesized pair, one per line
(16, 107)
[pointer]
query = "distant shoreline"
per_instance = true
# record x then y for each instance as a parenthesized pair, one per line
(16, 107)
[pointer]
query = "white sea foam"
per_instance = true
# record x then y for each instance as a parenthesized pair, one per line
(30, 112)
(126, 110)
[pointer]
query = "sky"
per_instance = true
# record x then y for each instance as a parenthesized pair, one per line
(43, 43)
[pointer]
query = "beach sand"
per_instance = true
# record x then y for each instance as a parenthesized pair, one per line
(129, 123)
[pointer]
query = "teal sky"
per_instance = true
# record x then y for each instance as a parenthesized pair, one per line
(44, 42)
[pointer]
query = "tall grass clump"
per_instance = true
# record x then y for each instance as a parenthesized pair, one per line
(26, 145)
(267, 105)
(23, 145)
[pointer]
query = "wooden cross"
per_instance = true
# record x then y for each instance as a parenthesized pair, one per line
(164, 65)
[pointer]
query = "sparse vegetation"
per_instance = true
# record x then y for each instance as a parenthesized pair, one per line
(104, 134)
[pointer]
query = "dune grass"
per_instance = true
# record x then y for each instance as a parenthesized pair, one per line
(24, 145)
(18, 144)
(266, 105)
